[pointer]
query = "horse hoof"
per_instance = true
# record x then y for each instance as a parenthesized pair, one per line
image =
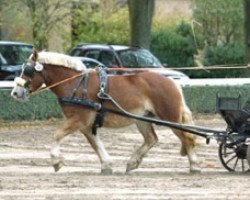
(131, 166)
(195, 171)
(106, 171)
(57, 166)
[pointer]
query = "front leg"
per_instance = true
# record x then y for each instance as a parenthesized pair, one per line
(56, 157)
(69, 126)
(96, 143)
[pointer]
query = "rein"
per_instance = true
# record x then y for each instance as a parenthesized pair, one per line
(55, 84)
(41, 89)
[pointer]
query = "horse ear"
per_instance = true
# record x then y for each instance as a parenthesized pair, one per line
(35, 54)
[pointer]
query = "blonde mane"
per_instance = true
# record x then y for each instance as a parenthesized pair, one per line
(60, 60)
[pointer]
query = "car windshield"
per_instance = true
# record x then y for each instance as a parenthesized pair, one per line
(138, 58)
(14, 54)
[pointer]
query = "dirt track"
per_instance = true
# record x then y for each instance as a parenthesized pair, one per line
(26, 174)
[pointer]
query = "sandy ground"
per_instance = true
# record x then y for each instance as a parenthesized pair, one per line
(26, 173)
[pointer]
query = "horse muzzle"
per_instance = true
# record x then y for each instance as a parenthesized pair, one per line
(20, 91)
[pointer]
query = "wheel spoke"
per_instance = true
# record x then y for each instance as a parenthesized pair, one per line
(227, 153)
(235, 164)
(243, 165)
(229, 160)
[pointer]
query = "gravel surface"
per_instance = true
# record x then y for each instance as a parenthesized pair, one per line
(26, 172)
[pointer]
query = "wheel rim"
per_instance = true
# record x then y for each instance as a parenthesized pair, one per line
(248, 155)
(233, 156)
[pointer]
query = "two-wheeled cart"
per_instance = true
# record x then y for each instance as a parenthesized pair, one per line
(234, 148)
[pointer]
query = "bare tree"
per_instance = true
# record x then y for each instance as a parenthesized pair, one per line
(44, 15)
(219, 21)
(141, 14)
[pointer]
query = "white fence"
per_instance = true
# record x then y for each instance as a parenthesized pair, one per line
(7, 84)
(184, 82)
(214, 82)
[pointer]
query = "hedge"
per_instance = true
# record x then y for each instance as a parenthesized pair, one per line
(200, 99)
(176, 48)
(41, 106)
(225, 55)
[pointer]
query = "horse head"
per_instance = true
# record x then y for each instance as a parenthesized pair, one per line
(31, 78)
(45, 68)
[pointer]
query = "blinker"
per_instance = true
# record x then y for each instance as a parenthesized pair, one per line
(29, 70)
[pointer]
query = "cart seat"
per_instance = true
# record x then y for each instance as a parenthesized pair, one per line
(237, 118)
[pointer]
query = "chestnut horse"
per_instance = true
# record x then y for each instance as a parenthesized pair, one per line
(144, 94)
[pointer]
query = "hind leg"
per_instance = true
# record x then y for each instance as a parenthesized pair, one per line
(188, 148)
(150, 138)
(98, 146)
(189, 141)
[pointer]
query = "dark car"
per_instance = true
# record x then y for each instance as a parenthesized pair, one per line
(91, 63)
(12, 56)
(124, 57)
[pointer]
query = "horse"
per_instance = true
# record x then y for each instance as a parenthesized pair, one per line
(145, 94)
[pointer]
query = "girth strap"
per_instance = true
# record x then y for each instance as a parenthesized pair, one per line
(99, 119)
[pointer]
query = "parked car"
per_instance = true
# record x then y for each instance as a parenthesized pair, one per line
(125, 57)
(91, 63)
(12, 56)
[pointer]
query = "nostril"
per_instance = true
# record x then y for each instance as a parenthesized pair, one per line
(14, 93)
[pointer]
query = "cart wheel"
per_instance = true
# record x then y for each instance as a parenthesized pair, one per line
(233, 156)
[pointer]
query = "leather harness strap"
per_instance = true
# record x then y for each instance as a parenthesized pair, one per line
(85, 101)
(99, 119)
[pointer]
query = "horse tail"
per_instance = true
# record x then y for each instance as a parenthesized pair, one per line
(187, 119)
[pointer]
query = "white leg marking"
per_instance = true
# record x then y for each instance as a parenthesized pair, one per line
(56, 157)
(55, 149)
(104, 156)
(105, 159)
(99, 148)
(193, 160)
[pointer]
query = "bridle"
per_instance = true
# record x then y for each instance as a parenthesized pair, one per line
(30, 70)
